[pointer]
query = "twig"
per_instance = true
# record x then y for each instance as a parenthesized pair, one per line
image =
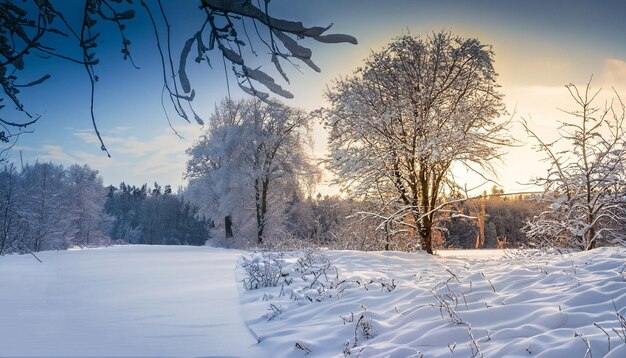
(608, 337)
(35, 256)
(586, 341)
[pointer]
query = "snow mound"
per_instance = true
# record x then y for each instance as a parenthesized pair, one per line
(520, 304)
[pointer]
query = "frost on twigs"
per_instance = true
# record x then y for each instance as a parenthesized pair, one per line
(303, 346)
(363, 329)
(319, 278)
(42, 30)
(262, 271)
(619, 331)
(274, 311)
(585, 184)
(585, 340)
(230, 24)
(310, 278)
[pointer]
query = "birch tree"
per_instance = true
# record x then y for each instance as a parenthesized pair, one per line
(252, 156)
(585, 186)
(401, 121)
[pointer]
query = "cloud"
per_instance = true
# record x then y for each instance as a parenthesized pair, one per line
(131, 145)
(22, 148)
(98, 161)
(614, 73)
(119, 129)
(86, 136)
(55, 153)
(135, 160)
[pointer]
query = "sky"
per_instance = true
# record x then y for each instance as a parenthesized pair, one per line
(539, 46)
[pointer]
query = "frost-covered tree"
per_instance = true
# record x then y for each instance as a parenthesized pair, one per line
(8, 202)
(48, 207)
(585, 186)
(333, 222)
(86, 206)
(249, 161)
(43, 210)
(403, 119)
(42, 30)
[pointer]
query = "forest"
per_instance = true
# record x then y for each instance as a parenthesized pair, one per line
(48, 207)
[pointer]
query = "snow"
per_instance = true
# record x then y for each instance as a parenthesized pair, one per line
(473, 254)
(189, 301)
(122, 301)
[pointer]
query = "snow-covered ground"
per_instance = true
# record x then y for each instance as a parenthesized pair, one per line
(189, 301)
(122, 301)
(473, 254)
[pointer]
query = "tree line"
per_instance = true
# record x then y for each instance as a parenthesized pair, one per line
(48, 207)
(491, 221)
(154, 216)
(45, 206)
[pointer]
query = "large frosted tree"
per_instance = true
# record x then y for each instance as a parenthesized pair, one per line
(401, 121)
(585, 186)
(249, 161)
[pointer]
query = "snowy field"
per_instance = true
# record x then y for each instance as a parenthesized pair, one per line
(122, 301)
(190, 301)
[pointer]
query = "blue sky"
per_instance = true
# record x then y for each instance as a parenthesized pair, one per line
(540, 46)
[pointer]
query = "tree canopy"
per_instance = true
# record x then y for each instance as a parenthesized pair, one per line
(252, 156)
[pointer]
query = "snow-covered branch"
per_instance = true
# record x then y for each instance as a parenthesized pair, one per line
(585, 188)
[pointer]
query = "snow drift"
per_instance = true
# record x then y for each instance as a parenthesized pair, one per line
(190, 301)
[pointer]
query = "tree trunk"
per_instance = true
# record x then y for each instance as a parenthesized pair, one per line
(427, 241)
(261, 207)
(423, 233)
(228, 226)
(5, 226)
(591, 243)
(481, 216)
(426, 235)
(260, 227)
(387, 237)
(424, 221)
